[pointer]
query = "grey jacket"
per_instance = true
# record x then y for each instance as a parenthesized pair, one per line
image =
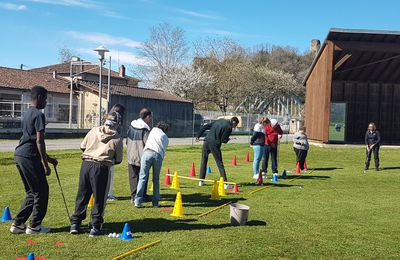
(300, 141)
(138, 133)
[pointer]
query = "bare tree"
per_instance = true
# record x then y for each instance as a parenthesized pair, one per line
(65, 54)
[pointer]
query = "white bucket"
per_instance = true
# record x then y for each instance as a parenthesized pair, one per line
(239, 214)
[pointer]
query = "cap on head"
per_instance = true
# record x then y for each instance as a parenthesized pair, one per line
(113, 119)
(274, 122)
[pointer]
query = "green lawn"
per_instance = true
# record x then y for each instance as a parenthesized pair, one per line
(334, 212)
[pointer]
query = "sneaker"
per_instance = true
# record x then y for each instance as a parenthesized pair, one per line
(37, 230)
(94, 232)
(264, 173)
(156, 204)
(377, 169)
(139, 205)
(228, 186)
(255, 176)
(201, 183)
(18, 229)
(75, 229)
(111, 198)
(133, 201)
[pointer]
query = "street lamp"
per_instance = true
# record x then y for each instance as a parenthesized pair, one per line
(101, 50)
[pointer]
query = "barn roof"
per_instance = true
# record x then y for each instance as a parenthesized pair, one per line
(363, 55)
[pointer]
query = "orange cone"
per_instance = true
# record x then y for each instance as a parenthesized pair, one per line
(247, 156)
(234, 161)
(298, 168)
(260, 178)
(235, 189)
(167, 178)
(305, 165)
(192, 171)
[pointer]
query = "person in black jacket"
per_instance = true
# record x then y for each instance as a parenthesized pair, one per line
(219, 133)
(257, 141)
(372, 142)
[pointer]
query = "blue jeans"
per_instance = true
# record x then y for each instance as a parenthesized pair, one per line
(258, 153)
(274, 158)
(154, 160)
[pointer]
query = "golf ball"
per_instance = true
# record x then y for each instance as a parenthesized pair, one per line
(117, 235)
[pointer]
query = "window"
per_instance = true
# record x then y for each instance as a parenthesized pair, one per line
(337, 122)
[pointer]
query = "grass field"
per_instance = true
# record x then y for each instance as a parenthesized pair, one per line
(334, 212)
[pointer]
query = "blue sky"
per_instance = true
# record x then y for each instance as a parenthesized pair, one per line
(32, 31)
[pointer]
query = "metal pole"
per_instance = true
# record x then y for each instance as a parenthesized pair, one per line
(70, 97)
(193, 119)
(109, 85)
(100, 90)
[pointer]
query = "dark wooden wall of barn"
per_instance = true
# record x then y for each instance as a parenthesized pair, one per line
(369, 102)
(179, 115)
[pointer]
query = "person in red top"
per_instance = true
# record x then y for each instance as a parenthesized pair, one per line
(273, 132)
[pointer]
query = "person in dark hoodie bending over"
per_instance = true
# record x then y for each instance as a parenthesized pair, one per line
(138, 132)
(102, 147)
(219, 133)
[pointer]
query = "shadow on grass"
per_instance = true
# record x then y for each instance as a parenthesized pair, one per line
(390, 168)
(200, 200)
(307, 177)
(279, 185)
(325, 168)
(159, 225)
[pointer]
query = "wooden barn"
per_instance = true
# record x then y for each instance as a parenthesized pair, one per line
(353, 80)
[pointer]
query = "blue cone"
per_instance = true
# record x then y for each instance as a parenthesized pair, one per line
(209, 169)
(284, 175)
(275, 178)
(6, 215)
(126, 233)
(31, 256)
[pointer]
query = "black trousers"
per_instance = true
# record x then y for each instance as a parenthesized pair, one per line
(375, 151)
(134, 171)
(301, 157)
(36, 189)
(216, 152)
(268, 149)
(93, 179)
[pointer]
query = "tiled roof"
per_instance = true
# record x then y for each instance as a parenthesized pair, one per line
(64, 68)
(26, 79)
(135, 92)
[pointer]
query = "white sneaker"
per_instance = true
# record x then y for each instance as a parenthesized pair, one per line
(139, 205)
(228, 186)
(255, 176)
(201, 183)
(264, 173)
(37, 230)
(18, 229)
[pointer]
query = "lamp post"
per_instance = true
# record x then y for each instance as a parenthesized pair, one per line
(101, 50)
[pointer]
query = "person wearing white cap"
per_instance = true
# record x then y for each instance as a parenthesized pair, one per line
(273, 132)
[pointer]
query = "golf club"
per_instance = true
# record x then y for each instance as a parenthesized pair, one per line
(62, 193)
(368, 156)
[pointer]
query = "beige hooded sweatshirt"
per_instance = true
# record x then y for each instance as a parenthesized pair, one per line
(103, 144)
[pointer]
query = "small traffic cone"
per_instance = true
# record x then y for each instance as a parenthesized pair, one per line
(6, 215)
(192, 171)
(31, 256)
(151, 187)
(235, 188)
(209, 169)
(275, 177)
(305, 165)
(91, 202)
(284, 175)
(247, 156)
(298, 168)
(178, 208)
(214, 193)
(260, 178)
(167, 178)
(126, 233)
(221, 188)
(175, 181)
(234, 161)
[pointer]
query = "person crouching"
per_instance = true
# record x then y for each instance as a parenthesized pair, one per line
(102, 147)
(153, 155)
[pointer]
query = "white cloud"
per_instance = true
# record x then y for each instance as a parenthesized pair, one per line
(100, 38)
(13, 7)
(200, 15)
(77, 3)
(123, 57)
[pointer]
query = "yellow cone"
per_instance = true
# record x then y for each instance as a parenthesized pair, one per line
(178, 208)
(221, 188)
(151, 187)
(175, 181)
(214, 193)
(91, 202)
